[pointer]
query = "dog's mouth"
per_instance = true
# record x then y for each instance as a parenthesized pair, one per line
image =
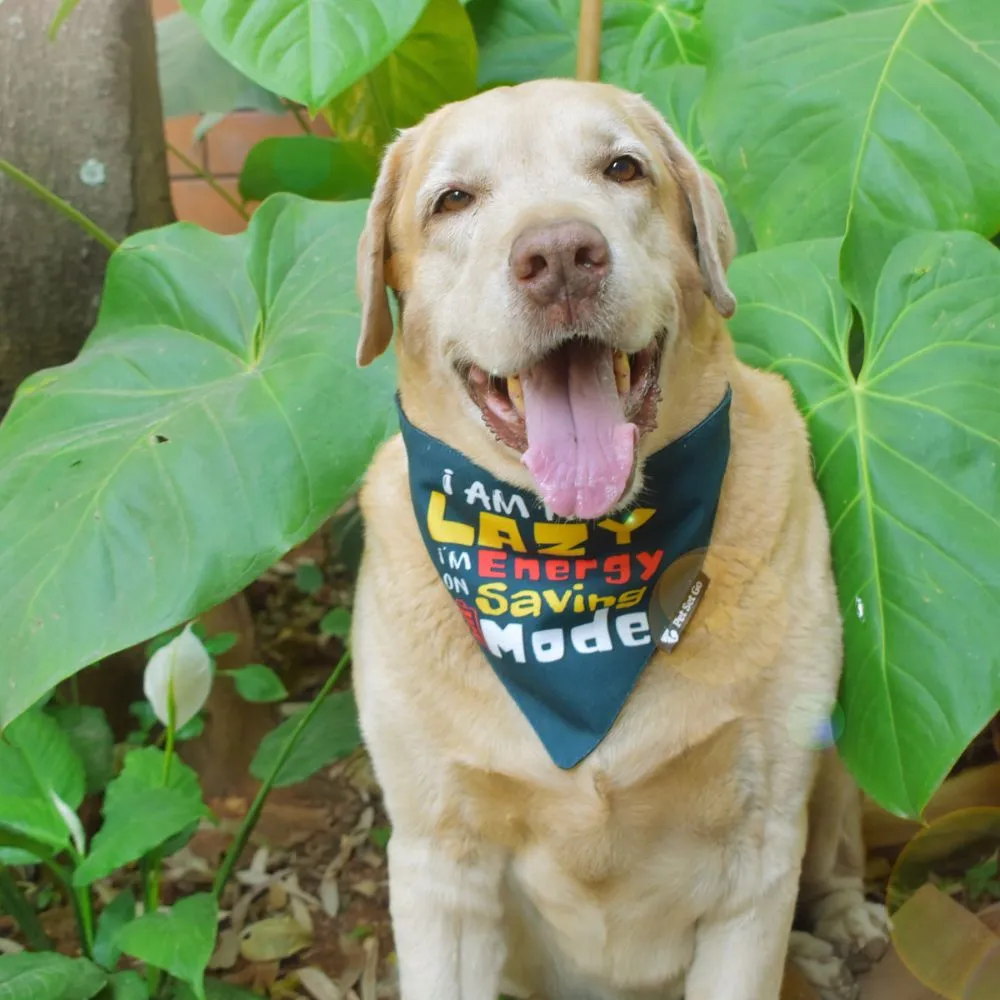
(576, 416)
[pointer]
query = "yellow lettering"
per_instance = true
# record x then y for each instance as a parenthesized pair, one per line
(561, 539)
(525, 603)
(623, 529)
(496, 531)
(442, 530)
(492, 592)
(631, 597)
(552, 599)
(595, 601)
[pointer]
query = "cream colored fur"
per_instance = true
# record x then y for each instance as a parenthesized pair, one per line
(669, 862)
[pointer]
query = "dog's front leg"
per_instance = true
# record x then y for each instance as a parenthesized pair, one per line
(742, 956)
(446, 917)
(740, 951)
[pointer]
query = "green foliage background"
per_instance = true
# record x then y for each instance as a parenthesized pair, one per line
(201, 432)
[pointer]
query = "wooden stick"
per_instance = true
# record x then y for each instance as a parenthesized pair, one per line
(588, 53)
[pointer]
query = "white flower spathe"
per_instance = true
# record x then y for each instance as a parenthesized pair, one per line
(184, 666)
(72, 821)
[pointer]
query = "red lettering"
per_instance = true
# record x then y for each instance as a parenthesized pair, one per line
(492, 564)
(557, 569)
(526, 569)
(471, 617)
(583, 565)
(617, 569)
(649, 560)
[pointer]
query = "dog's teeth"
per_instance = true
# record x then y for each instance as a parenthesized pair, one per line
(623, 372)
(515, 392)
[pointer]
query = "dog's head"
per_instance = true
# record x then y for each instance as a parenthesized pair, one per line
(546, 242)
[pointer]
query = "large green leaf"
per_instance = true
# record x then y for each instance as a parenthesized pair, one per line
(311, 166)
(522, 40)
(179, 941)
(435, 64)
(907, 457)
(213, 420)
(38, 762)
(195, 79)
(128, 985)
(873, 118)
(332, 733)
(48, 976)
(305, 50)
(143, 808)
(115, 915)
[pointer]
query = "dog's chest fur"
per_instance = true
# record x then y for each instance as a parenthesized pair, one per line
(616, 874)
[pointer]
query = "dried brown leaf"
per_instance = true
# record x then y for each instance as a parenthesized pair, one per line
(226, 951)
(277, 896)
(329, 892)
(365, 821)
(369, 978)
(366, 887)
(274, 938)
(318, 984)
(260, 859)
(301, 914)
(241, 909)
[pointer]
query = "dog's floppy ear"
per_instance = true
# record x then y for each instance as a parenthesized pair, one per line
(374, 252)
(714, 237)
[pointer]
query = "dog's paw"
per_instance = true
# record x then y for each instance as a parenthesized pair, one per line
(857, 929)
(822, 967)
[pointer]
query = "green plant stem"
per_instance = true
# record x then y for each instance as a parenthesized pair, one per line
(151, 903)
(84, 906)
(42, 192)
(253, 813)
(168, 749)
(151, 864)
(300, 118)
(211, 180)
(13, 902)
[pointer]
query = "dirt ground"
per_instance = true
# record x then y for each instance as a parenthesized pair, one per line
(306, 915)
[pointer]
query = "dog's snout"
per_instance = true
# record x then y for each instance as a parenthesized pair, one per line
(559, 260)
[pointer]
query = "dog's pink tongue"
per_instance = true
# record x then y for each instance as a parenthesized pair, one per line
(580, 448)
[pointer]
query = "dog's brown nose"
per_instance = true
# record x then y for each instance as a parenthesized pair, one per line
(559, 260)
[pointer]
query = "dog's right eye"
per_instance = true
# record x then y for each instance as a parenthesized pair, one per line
(453, 201)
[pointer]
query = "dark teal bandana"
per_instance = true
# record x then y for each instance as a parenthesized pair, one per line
(561, 608)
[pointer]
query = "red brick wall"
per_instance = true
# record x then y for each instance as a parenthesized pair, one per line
(221, 153)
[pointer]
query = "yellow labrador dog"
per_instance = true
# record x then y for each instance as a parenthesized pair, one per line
(559, 260)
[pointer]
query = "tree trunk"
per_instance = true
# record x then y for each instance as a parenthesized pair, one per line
(82, 116)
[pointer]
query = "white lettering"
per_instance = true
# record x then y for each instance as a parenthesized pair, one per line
(509, 639)
(508, 507)
(455, 584)
(459, 560)
(478, 492)
(633, 629)
(593, 637)
(548, 645)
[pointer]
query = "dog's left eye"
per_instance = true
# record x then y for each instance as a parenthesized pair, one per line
(624, 169)
(453, 201)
